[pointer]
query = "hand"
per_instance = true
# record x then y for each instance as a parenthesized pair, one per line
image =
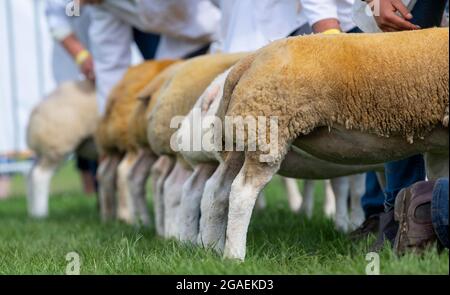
(87, 68)
(393, 15)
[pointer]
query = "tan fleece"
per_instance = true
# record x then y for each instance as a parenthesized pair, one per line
(181, 93)
(112, 134)
(388, 84)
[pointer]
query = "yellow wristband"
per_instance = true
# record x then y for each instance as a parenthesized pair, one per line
(82, 56)
(331, 32)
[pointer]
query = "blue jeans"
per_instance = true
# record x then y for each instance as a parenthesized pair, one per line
(147, 43)
(401, 174)
(372, 201)
(439, 210)
(428, 13)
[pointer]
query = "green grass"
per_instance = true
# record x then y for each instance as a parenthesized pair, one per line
(279, 242)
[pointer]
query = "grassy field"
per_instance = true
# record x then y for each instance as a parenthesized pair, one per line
(279, 242)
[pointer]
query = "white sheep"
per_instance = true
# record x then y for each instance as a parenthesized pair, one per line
(61, 124)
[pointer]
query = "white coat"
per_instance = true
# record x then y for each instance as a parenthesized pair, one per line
(249, 25)
(111, 33)
(61, 26)
(316, 10)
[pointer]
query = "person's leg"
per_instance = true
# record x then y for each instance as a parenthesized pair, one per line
(401, 174)
(147, 43)
(439, 211)
(428, 13)
(88, 172)
(373, 199)
(372, 203)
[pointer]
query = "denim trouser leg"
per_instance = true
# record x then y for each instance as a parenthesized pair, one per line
(147, 43)
(401, 174)
(428, 13)
(372, 201)
(439, 210)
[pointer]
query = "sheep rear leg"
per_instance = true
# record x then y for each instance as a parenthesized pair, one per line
(293, 194)
(308, 201)
(39, 187)
(329, 206)
(125, 206)
(357, 189)
(341, 187)
(173, 190)
(190, 202)
(214, 203)
(249, 182)
(137, 181)
(159, 172)
(106, 175)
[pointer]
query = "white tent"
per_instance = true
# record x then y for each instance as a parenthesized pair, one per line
(25, 72)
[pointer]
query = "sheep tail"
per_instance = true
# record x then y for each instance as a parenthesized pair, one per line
(232, 81)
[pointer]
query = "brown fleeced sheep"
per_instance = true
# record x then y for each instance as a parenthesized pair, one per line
(208, 227)
(351, 99)
(112, 133)
(176, 99)
(134, 169)
(61, 124)
(348, 72)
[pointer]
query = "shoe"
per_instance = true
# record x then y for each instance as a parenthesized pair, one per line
(369, 227)
(386, 232)
(413, 212)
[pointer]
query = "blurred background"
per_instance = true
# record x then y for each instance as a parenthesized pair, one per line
(29, 58)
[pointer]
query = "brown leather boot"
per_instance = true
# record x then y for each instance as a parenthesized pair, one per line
(387, 231)
(369, 227)
(413, 212)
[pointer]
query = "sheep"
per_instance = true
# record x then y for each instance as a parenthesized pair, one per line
(139, 159)
(182, 93)
(177, 99)
(205, 160)
(62, 123)
(336, 102)
(113, 140)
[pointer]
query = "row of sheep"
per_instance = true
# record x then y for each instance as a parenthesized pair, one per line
(339, 111)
